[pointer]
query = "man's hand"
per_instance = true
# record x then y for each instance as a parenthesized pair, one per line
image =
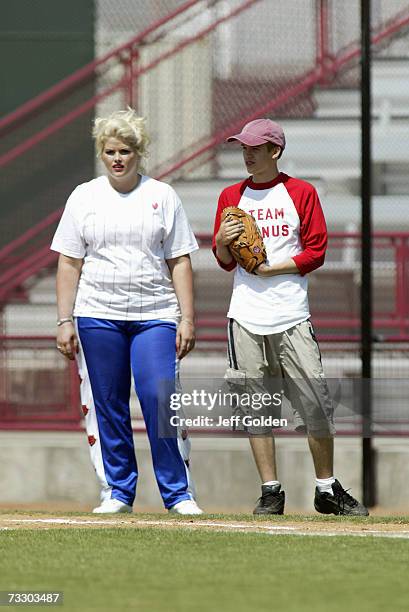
(247, 248)
(286, 267)
(228, 231)
(265, 270)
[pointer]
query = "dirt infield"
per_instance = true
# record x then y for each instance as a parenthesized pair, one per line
(287, 526)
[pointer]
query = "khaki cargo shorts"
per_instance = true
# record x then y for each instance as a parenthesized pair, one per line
(289, 363)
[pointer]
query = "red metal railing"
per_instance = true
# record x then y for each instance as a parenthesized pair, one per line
(326, 68)
(43, 100)
(325, 71)
(29, 253)
(56, 406)
(124, 83)
(392, 261)
(16, 269)
(394, 323)
(52, 402)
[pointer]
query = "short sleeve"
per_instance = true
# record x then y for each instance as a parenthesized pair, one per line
(180, 239)
(68, 239)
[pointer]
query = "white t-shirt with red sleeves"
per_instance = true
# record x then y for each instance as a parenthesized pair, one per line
(125, 240)
(289, 215)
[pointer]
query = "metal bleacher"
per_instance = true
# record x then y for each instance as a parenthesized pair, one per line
(319, 110)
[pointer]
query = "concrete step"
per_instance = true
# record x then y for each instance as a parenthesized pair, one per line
(341, 209)
(42, 290)
(30, 319)
(54, 467)
(338, 280)
(390, 94)
(330, 148)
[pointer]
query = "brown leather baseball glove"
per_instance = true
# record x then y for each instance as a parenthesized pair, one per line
(248, 248)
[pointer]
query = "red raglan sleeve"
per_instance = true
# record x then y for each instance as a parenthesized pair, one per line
(313, 229)
(223, 203)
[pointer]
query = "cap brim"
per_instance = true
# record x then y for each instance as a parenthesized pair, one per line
(248, 139)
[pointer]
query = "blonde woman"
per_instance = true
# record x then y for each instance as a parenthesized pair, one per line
(125, 306)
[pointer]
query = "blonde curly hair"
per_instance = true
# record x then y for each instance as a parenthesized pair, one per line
(124, 125)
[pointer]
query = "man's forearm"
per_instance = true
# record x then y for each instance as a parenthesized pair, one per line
(223, 253)
(286, 267)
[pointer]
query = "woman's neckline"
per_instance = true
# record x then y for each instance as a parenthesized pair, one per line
(126, 193)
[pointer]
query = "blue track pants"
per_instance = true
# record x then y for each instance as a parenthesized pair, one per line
(110, 352)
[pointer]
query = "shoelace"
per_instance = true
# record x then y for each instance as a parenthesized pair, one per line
(344, 497)
(266, 499)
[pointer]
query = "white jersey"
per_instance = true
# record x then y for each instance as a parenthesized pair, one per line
(125, 240)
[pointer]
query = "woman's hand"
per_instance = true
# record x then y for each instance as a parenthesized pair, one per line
(182, 278)
(68, 275)
(67, 340)
(185, 338)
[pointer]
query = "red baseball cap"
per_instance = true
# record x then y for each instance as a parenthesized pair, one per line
(259, 132)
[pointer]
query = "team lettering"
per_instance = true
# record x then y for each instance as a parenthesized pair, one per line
(265, 214)
(273, 231)
(261, 214)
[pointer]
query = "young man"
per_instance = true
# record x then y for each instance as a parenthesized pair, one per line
(269, 331)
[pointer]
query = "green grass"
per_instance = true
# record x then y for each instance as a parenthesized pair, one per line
(250, 518)
(177, 570)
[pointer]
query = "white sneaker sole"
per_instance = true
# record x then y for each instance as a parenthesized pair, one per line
(182, 512)
(123, 510)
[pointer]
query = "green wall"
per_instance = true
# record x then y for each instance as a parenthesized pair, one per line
(41, 42)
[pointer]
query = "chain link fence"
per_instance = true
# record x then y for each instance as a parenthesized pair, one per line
(198, 77)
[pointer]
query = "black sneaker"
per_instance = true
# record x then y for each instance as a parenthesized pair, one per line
(271, 500)
(341, 502)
